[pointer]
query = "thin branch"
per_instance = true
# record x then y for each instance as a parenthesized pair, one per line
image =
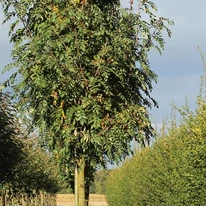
(131, 5)
(139, 7)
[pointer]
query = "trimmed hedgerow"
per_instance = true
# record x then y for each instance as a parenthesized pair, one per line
(171, 172)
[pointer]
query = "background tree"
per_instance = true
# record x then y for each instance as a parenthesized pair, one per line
(24, 165)
(37, 171)
(79, 78)
(100, 181)
(11, 151)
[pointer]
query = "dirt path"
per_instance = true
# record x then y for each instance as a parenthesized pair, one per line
(68, 200)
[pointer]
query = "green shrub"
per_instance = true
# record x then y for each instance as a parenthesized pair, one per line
(171, 172)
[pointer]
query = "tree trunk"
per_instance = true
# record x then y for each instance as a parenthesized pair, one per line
(87, 194)
(76, 186)
(80, 190)
(3, 197)
(42, 198)
(87, 183)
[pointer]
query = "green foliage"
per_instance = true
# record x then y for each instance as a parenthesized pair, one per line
(37, 171)
(24, 166)
(113, 191)
(10, 144)
(79, 82)
(172, 171)
(99, 184)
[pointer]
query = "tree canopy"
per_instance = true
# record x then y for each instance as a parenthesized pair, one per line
(84, 76)
(79, 79)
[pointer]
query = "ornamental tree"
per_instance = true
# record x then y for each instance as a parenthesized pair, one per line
(84, 76)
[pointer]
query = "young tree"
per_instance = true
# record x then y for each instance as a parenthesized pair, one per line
(79, 78)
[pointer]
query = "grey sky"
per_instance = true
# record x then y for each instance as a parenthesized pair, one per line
(5, 47)
(180, 66)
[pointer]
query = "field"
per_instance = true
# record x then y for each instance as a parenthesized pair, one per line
(68, 200)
